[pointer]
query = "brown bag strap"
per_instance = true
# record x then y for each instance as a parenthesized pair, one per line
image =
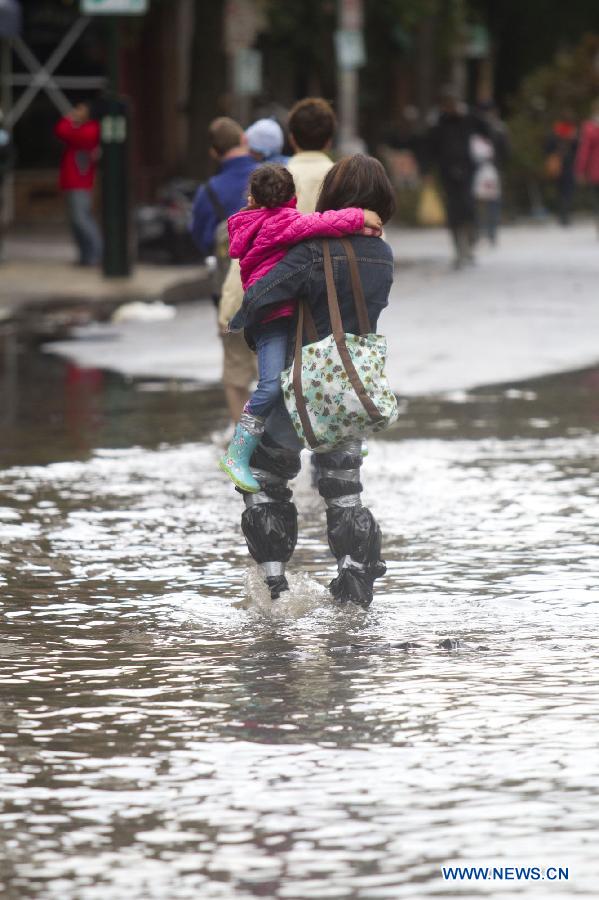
(300, 400)
(333, 302)
(309, 323)
(359, 299)
(339, 335)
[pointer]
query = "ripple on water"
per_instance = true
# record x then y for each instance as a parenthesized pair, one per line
(168, 732)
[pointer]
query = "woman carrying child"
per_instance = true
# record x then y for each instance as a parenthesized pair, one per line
(269, 520)
(260, 235)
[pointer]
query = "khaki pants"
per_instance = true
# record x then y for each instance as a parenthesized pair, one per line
(239, 362)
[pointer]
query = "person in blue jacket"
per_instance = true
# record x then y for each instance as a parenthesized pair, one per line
(225, 193)
(222, 195)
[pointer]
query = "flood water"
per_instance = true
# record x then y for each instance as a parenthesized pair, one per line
(166, 732)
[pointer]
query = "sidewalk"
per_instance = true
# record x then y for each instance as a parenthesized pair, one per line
(40, 285)
(529, 307)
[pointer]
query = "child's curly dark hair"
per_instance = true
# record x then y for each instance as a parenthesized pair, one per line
(271, 185)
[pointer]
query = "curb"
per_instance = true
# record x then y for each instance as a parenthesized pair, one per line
(39, 320)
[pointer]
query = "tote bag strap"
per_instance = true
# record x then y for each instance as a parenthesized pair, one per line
(356, 281)
(339, 335)
(300, 400)
(309, 325)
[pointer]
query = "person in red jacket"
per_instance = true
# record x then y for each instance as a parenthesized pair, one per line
(587, 159)
(81, 136)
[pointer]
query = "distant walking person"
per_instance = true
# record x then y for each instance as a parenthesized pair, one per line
(449, 148)
(587, 159)
(560, 155)
(265, 140)
(80, 134)
(486, 188)
(312, 125)
(490, 155)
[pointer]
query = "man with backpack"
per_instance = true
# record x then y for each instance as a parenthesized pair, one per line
(224, 194)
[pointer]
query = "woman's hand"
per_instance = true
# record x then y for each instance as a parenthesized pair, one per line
(372, 220)
(371, 232)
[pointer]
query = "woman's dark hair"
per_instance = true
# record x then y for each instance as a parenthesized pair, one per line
(357, 181)
(271, 185)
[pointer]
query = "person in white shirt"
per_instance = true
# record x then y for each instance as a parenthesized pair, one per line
(311, 129)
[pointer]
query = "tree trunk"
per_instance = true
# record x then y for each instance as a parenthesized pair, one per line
(208, 87)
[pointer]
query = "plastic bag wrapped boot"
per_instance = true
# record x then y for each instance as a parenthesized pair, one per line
(355, 539)
(354, 535)
(269, 521)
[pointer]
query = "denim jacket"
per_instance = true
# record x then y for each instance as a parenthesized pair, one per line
(300, 275)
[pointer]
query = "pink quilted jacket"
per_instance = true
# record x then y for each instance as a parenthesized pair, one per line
(261, 237)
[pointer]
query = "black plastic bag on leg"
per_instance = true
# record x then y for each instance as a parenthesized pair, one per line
(355, 540)
(270, 531)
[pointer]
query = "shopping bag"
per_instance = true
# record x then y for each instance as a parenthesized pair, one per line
(430, 212)
(336, 390)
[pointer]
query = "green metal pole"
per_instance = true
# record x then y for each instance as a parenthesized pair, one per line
(115, 168)
(114, 72)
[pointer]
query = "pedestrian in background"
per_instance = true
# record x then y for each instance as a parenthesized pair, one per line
(449, 147)
(486, 188)
(490, 155)
(560, 155)
(587, 158)
(80, 133)
(312, 125)
(265, 140)
(223, 195)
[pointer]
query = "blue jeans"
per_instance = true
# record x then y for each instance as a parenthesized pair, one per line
(489, 218)
(85, 229)
(271, 348)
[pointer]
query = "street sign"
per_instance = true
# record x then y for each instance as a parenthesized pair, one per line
(114, 7)
(247, 72)
(350, 49)
(478, 42)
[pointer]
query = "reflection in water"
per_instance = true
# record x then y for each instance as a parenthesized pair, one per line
(167, 734)
(8, 383)
(61, 411)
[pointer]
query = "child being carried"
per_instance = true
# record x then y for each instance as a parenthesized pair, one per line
(260, 235)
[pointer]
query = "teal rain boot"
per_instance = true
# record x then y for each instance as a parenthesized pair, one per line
(236, 461)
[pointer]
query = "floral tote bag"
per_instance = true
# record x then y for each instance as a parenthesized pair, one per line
(336, 389)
